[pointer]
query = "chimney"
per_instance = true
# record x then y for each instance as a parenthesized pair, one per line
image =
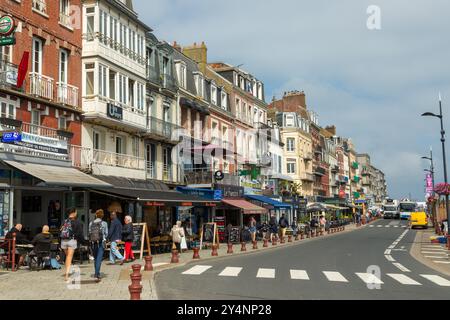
(176, 46)
(331, 129)
(197, 53)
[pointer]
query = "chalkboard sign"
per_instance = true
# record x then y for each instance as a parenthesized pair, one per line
(209, 234)
(141, 238)
(234, 235)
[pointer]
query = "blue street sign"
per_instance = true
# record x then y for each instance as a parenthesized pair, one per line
(11, 137)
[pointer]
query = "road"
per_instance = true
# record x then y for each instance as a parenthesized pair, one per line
(370, 263)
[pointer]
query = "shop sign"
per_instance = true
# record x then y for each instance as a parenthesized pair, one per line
(11, 137)
(154, 204)
(186, 204)
(230, 191)
(7, 25)
(203, 193)
(114, 112)
(44, 144)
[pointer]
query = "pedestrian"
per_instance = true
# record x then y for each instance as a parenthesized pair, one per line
(252, 228)
(71, 234)
(115, 237)
(273, 227)
(128, 238)
(98, 231)
(283, 223)
(177, 233)
(323, 223)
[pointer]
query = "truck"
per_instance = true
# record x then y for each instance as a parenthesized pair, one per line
(406, 207)
(390, 209)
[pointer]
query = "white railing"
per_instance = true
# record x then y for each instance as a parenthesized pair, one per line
(117, 160)
(41, 86)
(150, 168)
(67, 94)
(81, 157)
(40, 5)
(167, 173)
(40, 130)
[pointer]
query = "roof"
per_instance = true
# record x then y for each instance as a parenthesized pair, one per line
(58, 176)
(247, 207)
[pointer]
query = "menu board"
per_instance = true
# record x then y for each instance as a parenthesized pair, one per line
(209, 234)
(141, 238)
(220, 221)
(234, 235)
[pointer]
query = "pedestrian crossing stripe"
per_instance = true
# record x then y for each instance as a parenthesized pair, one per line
(369, 278)
(401, 267)
(403, 279)
(266, 273)
(197, 270)
(334, 276)
(230, 272)
(437, 280)
(299, 275)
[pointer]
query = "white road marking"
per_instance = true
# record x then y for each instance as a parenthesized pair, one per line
(389, 258)
(437, 280)
(387, 226)
(266, 273)
(379, 226)
(436, 257)
(434, 252)
(442, 262)
(371, 226)
(230, 272)
(155, 265)
(387, 251)
(391, 247)
(403, 279)
(369, 278)
(197, 270)
(334, 276)
(299, 275)
(396, 226)
(401, 267)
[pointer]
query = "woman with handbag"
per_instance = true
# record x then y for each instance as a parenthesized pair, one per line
(128, 238)
(177, 233)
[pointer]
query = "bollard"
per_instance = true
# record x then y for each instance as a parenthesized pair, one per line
(135, 288)
(274, 241)
(148, 263)
(308, 235)
(255, 245)
(230, 248)
(282, 241)
(329, 230)
(243, 247)
(297, 237)
(266, 243)
(175, 257)
(214, 252)
(196, 254)
(302, 236)
(289, 238)
(312, 234)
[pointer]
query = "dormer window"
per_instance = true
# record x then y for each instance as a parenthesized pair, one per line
(181, 73)
(213, 94)
(224, 98)
(199, 84)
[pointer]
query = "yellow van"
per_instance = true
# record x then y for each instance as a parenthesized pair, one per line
(419, 219)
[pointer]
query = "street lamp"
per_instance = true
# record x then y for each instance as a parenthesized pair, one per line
(441, 118)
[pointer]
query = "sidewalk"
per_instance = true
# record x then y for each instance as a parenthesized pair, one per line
(50, 285)
(435, 256)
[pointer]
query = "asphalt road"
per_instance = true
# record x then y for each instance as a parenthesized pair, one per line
(352, 265)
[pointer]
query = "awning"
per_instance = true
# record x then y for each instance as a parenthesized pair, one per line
(270, 201)
(247, 207)
(316, 206)
(59, 176)
(332, 207)
(283, 177)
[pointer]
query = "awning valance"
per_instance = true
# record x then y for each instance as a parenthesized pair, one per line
(59, 176)
(247, 207)
(269, 201)
(283, 177)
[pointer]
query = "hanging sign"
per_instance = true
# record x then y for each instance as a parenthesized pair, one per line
(7, 25)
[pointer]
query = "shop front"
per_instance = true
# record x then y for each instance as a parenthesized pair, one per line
(275, 207)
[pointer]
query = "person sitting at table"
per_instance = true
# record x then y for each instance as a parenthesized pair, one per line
(42, 240)
(20, 240)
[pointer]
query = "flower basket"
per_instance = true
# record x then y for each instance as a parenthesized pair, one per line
(442, 189)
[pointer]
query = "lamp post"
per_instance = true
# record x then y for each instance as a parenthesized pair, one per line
(441, 118)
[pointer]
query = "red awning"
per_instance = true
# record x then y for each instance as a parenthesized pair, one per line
(247, 207)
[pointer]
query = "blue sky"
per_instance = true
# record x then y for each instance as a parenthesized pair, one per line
(372, 84)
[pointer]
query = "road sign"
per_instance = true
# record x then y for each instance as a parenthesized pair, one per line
(7, 41)
(7, 25)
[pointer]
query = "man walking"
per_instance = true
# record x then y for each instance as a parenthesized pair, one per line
(115, 236)
(283, 223)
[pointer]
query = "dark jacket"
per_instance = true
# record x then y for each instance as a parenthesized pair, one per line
(42, 242)
(283, 223)
(127, 233)
(115, 230)
(273, 225)
(20, 237)
(77, 228)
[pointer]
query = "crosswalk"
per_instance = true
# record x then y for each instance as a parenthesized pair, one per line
(329, 275)
(388, 226)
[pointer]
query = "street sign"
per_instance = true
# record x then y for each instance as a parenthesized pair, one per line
(7, 41)
(7, 25)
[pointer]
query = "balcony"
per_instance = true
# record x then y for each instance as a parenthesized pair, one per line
(308, 156)
(84, 158)
(335, 169)
(153, 75)
(67, 94)
(319, 171)
(162, 130)
(169, 83)
(41, 86)
(307, 177)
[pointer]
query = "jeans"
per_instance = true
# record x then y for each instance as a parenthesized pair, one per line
(98, 250)
(114, 253)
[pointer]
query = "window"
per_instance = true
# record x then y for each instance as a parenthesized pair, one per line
(290, 144)
(290, 121)
(135, 147)
(89, 72)
(140, 96)
(63, 65)
(119, 145)
(64, 12)
(96, 140)
(291, 167)
(90, 33)
(6, 54)
(113, 31)
(226, 167)
(62, 123)
(213, 95)
(112, 84)
(8, 110)
(122, 89)
(40, 5)
(122, 38)
(199, 84)
(131, 89)
(36, 62)
(181, 73)
(35, 121)
(102, 79)
(224, 101)
(103, 27)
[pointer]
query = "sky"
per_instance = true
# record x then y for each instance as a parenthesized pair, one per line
(373, 84)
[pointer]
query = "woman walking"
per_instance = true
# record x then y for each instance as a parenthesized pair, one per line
(128, 238)
(177, 233)
(98, 230)
(71, 234)
(252, 228)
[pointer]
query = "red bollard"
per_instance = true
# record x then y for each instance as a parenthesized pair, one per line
(148, 263)
(297, 237)
(196, 254)
(312, 234)
(255, 245)
(302, 236)
(289, 238)
(230, 248)
(135, 288)
(266, 243)
(282, 241)
(175, 257)
(274, 241)
(243, 247)
(308, 235)
(214, 252)
(13, 254)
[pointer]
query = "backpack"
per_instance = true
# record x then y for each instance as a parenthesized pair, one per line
(283, 223)
(66, 230)
(96, 232)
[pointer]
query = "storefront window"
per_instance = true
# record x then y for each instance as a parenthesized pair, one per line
(4, 212)
(5, 176)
